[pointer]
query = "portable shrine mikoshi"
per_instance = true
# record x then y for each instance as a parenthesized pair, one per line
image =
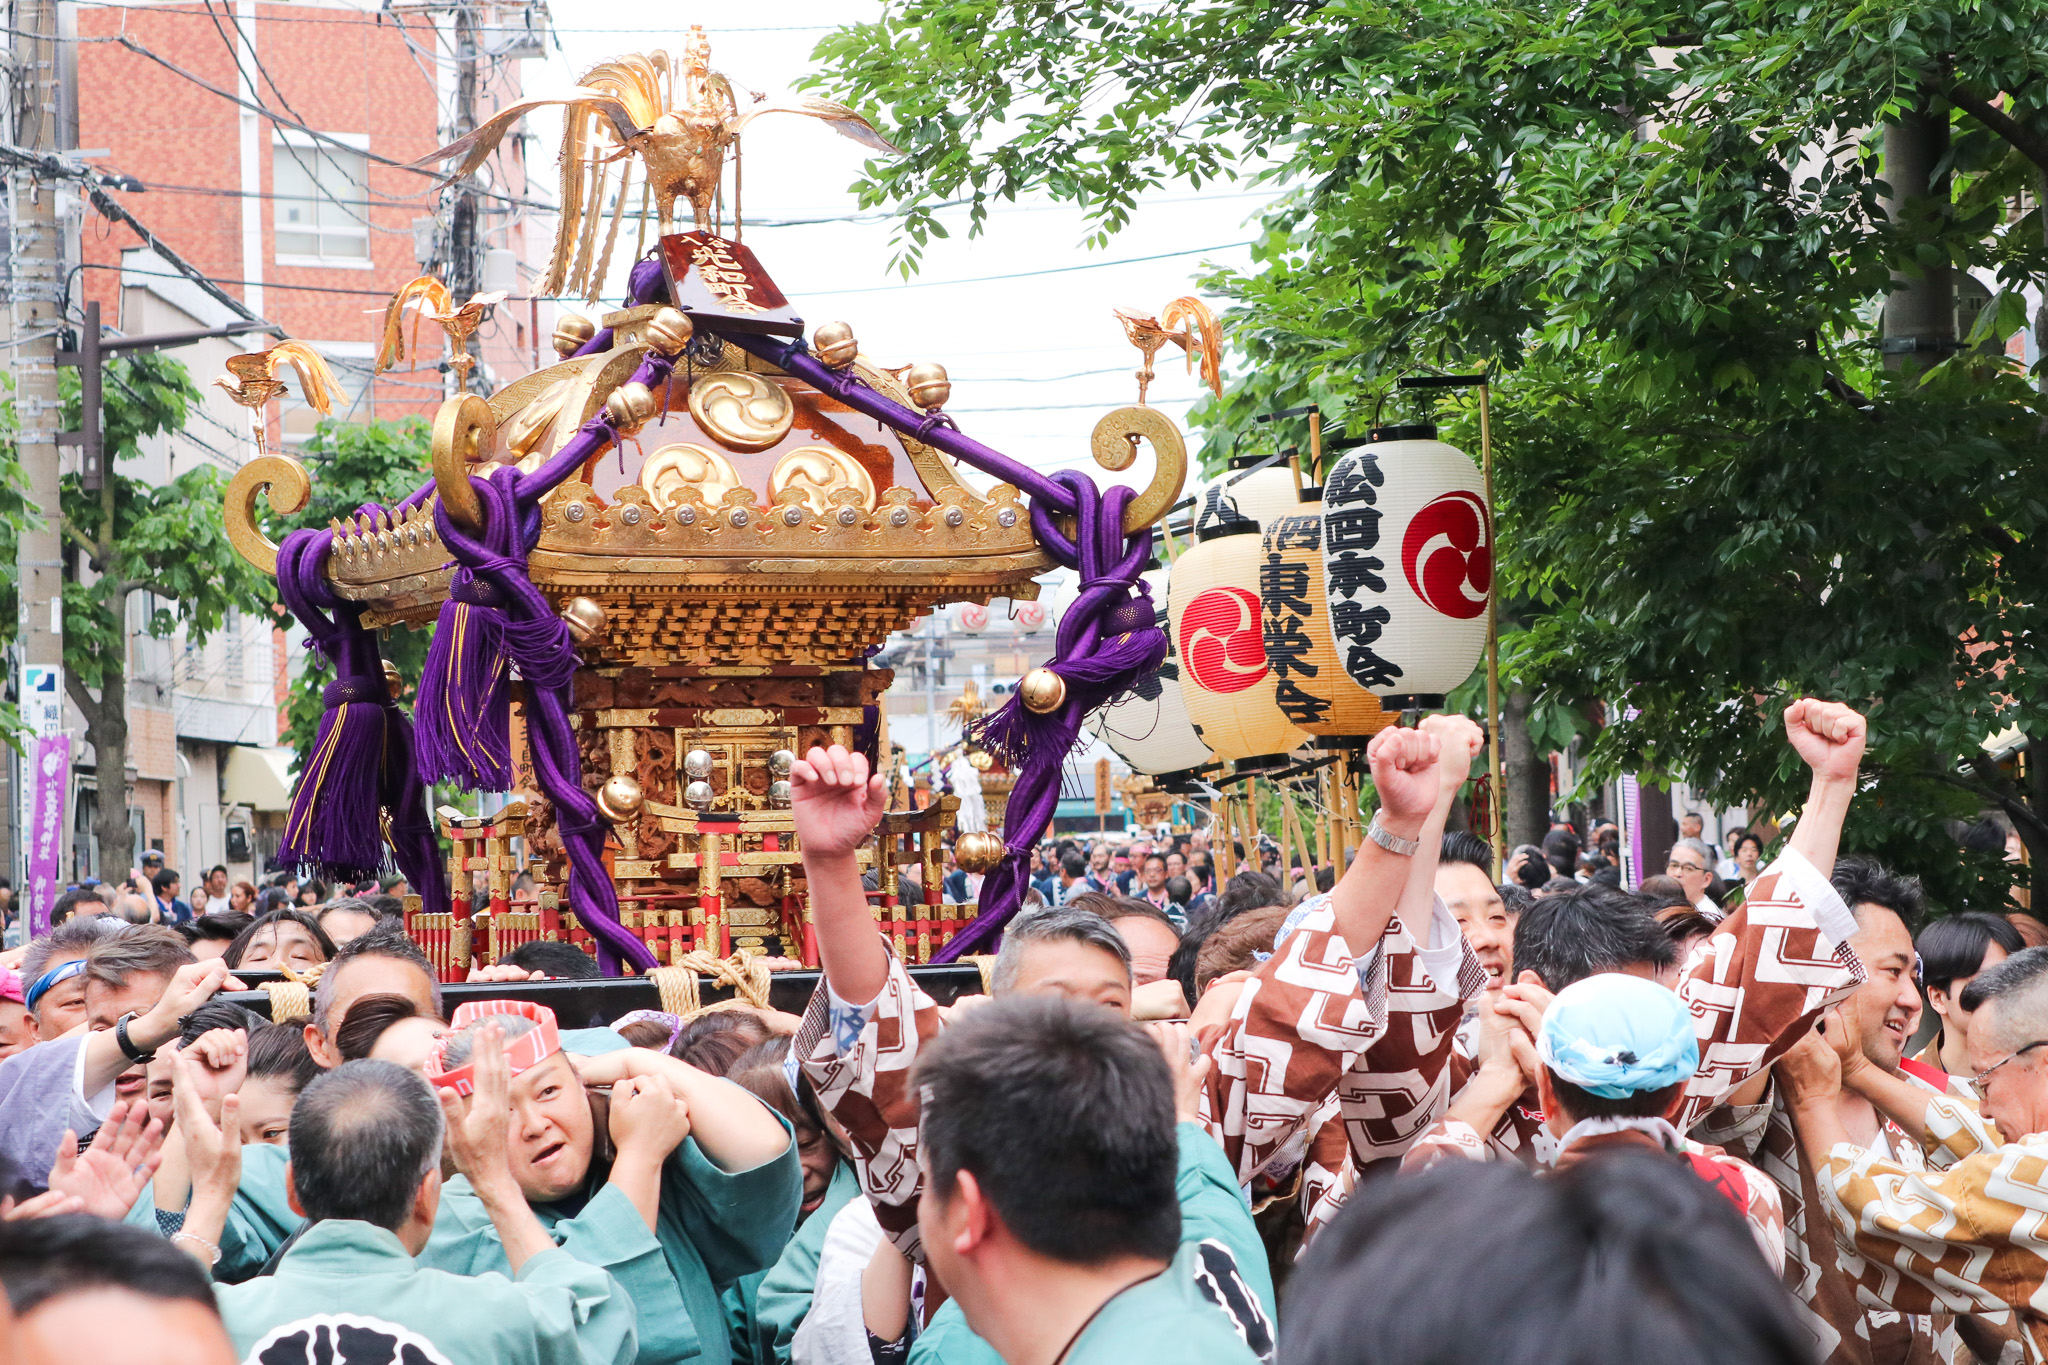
(687, 537)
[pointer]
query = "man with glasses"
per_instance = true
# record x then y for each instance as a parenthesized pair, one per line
(1968, 1236)
(1692, 865)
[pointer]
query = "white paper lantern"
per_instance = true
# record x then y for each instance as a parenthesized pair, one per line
(1213, 605)
(1148, 727)
(1408, 564)
(970, 618)
(1030, 617)
(1312, 688)
(1238, 501)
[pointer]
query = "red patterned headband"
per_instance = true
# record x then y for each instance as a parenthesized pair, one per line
(527, 1050)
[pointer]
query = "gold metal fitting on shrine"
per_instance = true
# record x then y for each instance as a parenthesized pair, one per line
(572, 333)
(394, 681)
(620, 798)
(585, 619)
(630, 406)
(929, 387)
(670, 330)
(1043, 691)
(834, 343)
(977, 852)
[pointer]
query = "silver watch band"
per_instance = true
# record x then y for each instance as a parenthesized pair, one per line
(1391, 842)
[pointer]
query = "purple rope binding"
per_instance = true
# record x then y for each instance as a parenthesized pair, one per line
(538, 641)
(361, 761)
(1107, 642)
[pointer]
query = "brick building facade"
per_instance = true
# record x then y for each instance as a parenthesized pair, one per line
(314, 234)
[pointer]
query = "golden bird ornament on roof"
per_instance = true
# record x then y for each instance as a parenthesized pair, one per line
(252, 381)
(428, 298)
(1198, 334)
(675, 116)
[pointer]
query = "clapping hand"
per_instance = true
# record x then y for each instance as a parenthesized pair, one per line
(212, 1149)
(480, 1124)
(835, 801)
(107, 1176)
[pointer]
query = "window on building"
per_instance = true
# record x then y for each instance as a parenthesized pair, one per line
(322, 200)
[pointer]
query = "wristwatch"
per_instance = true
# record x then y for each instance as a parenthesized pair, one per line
(1391, 842)
(128, 1046)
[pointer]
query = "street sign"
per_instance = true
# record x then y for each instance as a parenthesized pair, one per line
(42, 698)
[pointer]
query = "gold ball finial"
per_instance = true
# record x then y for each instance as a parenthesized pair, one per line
(698, 796)
(394, 681)
(585, 618)
(629, 407)
(620, 798)
(1043, 690)
(669, 330)
(834, 344)
(571, 333)
(977, 852)
(929, 387)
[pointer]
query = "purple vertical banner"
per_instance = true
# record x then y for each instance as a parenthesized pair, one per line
(52, 764)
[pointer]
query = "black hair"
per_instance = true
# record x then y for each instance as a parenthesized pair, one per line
(1063, 1113)
(46, 1258)
(1954, 946)
(1862, 881)
(1074, 865)
(1561, 849)
(240, 947)
(1463, 846)
(2018, 972)
(164, 879)
(1180, 891)
(1515, 897)
(1250, 889)
(278, 1052)
(1590, 929)
(564, 961)
(368, 1019)
(384, 941)
(1579, 1103)
(386, 906)
(223, 927)
(1535, 869)
(216, 1014)
(363, 1137)
(1620, 1260)
(68, 903)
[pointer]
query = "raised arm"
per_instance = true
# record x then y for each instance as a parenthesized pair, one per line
(1312, 1008)
(836, 804)
(479, 1131)
(1459, 740)
(190, 987)
(1756, 985)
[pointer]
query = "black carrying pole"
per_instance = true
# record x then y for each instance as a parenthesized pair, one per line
(595, 1002)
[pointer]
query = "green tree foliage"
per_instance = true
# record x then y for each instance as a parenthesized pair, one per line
(1659, 225)
(352, 464)
(128, 537)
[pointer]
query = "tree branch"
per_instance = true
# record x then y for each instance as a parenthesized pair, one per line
(2032, 146)
(88, 706)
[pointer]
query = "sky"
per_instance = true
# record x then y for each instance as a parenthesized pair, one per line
(1030, 342)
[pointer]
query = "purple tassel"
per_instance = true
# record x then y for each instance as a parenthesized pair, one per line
(333, 824)
(415, 843)
(462, 723)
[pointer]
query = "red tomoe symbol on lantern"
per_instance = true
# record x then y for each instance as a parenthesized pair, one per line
(1448, 553)
(973, 616)
(1220, 640)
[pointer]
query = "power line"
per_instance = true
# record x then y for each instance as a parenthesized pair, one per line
(1019, 275)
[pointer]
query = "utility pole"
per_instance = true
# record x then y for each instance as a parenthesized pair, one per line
(37, 307)
(465, 243)
(1920, 312)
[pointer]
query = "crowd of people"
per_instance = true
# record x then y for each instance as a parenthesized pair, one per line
(1763, 1108)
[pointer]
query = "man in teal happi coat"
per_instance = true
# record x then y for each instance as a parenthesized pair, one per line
(365, 1146)
(678, 1183)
